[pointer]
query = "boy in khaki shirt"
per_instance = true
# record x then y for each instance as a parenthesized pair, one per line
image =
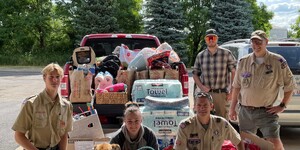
(45, 119)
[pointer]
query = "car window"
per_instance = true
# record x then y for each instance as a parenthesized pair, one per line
(105, 46)
(290, 53)
(234, 50)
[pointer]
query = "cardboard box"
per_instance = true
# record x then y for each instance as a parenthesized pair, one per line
(252, 138)
(86, 126)
(85, 144)
(112, 98)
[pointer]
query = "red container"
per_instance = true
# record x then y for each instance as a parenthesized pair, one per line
(64, 86)
(185, 84)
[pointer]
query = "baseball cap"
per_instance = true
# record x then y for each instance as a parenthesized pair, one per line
(210, 31)
(258, 34)
(204, 94)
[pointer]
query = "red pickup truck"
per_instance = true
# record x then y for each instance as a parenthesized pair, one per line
(104, 44)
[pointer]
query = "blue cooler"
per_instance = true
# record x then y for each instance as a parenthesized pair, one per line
(163, 88)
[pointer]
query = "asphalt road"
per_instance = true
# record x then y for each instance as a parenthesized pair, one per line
(17, 83)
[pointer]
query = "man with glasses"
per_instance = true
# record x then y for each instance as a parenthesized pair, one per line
(205, 131)
(211, 72)
(258, 78)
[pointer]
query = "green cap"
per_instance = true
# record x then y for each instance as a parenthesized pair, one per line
(259, 34)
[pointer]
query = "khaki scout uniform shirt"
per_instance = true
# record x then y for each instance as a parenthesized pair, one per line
(44, 121)
(192, 136)
(260, 83)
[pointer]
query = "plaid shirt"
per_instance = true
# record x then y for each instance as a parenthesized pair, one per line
(213, 69)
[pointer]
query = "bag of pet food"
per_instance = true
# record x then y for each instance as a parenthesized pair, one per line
(81, 86)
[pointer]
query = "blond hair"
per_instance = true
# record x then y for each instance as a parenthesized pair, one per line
(52, 67)
(131, 107)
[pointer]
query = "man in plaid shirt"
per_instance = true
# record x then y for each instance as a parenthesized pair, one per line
(211, 72)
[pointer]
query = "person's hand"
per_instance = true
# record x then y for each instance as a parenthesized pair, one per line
(232, 114)
(229, 96)
(275, 109)
(205, 89)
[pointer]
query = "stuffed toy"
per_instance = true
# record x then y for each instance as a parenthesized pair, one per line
(107, 146)
(119, 87)
(103, 80)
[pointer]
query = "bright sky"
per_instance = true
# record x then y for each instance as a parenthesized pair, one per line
(285, 11)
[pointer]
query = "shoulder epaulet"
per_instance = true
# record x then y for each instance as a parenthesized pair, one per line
(65, 101)
(185, 123)
(28, 98)
(244, 57)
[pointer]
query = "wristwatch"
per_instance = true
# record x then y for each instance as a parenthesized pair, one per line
(282, 105)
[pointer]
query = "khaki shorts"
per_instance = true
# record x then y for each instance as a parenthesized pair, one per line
(253, 119)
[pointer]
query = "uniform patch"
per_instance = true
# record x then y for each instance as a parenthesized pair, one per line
(283, 63)
(246, 74)
(193, 135)
(216, 133)
(178, 142)
(269, 69)
(194, 141)
(182, 125)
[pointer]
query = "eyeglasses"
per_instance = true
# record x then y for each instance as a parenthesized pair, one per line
(204, 94)
(211, 37)
(256, 42)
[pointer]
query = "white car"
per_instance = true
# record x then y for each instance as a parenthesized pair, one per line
(291, 52)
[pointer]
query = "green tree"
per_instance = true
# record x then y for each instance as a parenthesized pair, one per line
(198, 15)
(65, 12)
(232, 19)
(25, 25)
(128, 16)
(94, 16)
(295, 28)
(260, 16)
(165, 19)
